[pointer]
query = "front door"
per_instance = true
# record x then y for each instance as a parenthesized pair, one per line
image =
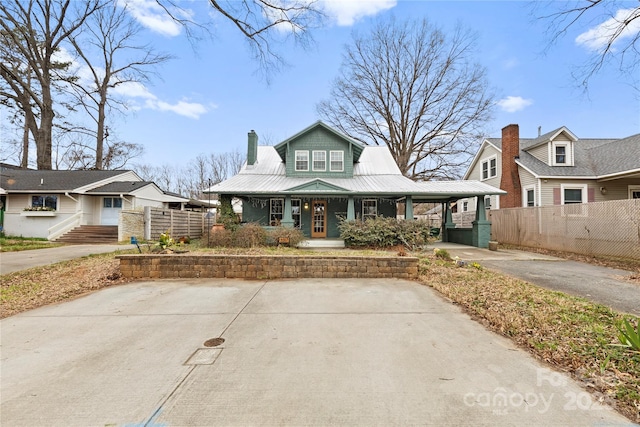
(319, 220)
(111, 207)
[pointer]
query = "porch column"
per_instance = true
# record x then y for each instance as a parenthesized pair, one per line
(448, 222)
(287, 218)
(481, 228)
(408, 209)
(351, 211)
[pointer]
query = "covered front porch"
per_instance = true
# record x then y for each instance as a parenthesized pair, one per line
(318, 215)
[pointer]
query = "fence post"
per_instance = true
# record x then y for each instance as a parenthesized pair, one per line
(147, 223)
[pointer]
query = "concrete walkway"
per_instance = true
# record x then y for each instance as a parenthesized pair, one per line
(604, 285)
(15, 261)
(297, 352)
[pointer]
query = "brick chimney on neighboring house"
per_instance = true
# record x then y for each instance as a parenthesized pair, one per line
(510, 179)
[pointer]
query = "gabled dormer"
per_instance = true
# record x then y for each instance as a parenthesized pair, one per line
(319, 151)
(556, 148)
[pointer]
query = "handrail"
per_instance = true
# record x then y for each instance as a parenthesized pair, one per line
(62, 227)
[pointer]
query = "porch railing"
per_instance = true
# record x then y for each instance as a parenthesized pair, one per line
(62, 227)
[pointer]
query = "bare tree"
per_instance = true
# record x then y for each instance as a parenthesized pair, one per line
(264, 23)
(414, 88)
(37, 29)
(200, 173)
(614, 36)
(107, 48)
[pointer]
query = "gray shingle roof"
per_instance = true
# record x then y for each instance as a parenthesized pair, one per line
(120, 187)
(51, 180)
(593, 157)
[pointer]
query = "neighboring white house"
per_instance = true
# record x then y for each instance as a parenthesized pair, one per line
(50, 203)
(556, 168)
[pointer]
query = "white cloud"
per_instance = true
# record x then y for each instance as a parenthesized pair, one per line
(152, 16)
(511, 104)
(597, 38)
(188, 109)
(133, 90)
(347, 12)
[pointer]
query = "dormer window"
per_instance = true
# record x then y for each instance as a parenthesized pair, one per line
(302, 161)
(561, 153)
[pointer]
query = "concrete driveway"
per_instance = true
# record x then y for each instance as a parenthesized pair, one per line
(603, 285)
(15, 261)
(297, 352)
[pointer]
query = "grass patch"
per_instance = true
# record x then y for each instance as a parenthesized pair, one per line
(19, 243)
(570, 333)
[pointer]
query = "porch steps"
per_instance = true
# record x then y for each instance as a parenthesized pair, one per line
(322, 244)
(91, 234)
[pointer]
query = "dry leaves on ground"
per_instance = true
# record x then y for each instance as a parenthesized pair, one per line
(35, 287)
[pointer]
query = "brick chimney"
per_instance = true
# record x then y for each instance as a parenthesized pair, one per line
(252, 151)
(510, 179)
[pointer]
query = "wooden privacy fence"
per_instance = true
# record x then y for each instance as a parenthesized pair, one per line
(602, 228)
(150, 223)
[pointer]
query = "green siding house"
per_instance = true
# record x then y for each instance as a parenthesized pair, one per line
(317, 177)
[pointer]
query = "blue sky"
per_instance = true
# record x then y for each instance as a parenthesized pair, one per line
(210, 96)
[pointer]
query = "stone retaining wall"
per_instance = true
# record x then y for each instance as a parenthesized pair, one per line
(265, 267)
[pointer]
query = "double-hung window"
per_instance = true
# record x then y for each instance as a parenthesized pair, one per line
(319, 160)
(489, 168)
(302, 160)
(336, 161)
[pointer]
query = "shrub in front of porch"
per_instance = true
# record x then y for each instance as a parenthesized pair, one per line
(384, 232)
(253, 235)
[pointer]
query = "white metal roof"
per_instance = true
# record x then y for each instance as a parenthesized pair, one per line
(376, 174)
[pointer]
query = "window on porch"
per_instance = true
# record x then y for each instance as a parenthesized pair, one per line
(369, 208)
(276, 210)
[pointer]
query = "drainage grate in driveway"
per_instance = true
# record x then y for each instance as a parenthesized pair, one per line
(213, 342)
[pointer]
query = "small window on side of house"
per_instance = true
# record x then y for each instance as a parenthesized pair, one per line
(302, 161)
(489, 168)
(465, 206)
(487, 202)
(531, 201)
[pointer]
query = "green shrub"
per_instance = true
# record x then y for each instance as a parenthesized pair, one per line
(384, 232)
(294, 235)
(249, 236)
